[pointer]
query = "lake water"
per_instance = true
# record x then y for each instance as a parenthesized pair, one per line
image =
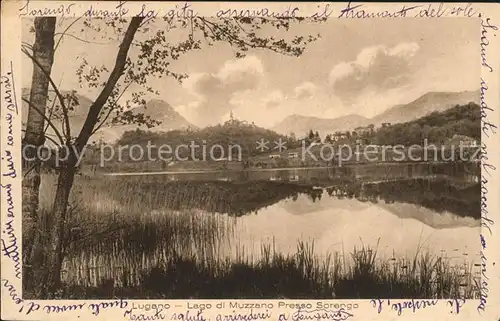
(397, 210)
(404, 208)
(340, 224)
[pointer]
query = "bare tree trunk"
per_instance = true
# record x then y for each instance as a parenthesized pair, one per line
(43, 52)
(55, 255)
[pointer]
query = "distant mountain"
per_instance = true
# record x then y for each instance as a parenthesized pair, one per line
(155, 108)
(427, 216)
(329, 205)
(76, 116)
(160, 110)
(300, 125)
(422, 106)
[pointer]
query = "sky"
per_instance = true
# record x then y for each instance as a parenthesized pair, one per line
(356, 67)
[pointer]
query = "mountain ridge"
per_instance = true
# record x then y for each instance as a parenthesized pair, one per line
(154, 108)
(419, 107)
(298, 124)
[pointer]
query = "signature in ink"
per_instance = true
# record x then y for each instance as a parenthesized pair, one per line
(321, 314)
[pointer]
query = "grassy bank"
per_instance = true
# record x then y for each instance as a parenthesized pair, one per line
(130, 240)
(302, 275)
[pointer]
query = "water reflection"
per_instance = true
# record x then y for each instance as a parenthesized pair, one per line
(406, 216)
(405, 207)
(338, 223)
(408, 207)
(440, 195)
(397, 210)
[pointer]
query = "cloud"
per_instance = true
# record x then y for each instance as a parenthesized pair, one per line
(207, 84)
(242, 73)
(215, 91)
(267, 107)
(375, 68)
(305, 90)
(273, 99)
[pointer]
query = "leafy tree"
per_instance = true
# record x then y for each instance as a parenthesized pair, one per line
(241, 134)
(437, 127)
(156, 51)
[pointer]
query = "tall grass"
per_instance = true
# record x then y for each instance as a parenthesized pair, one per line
(122, 241)
(301, 275)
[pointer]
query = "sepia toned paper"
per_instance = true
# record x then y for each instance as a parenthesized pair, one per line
(249, 161)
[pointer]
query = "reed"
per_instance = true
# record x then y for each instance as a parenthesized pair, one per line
(276, 275)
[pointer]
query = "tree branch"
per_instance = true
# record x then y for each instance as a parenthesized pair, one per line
(56, 89)
(32, 167)
(26, 45)
(115, 75)
(46, 119)
(37, 161)
(51, 110)
(46, 136)
(208, 26)
(232, 38)
(66, 122)
(64, 32)
(240, 26)
(111, 110)
(83, 40)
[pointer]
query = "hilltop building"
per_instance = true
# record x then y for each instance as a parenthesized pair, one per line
(337, 136)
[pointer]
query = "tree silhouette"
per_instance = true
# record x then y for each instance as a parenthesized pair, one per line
(316, 137)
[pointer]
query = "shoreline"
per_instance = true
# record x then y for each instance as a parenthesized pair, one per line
(273, 169)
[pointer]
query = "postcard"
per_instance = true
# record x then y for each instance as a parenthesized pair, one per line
(249, 161)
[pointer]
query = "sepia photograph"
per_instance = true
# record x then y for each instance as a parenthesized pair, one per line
(182, 156)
